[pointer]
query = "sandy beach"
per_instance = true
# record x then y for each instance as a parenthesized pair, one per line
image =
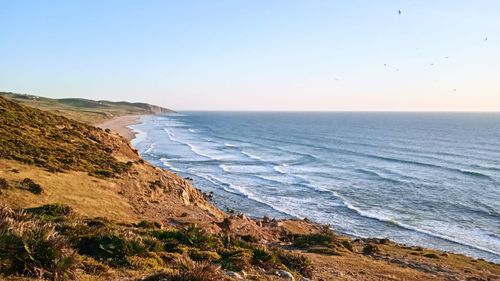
(119, 125)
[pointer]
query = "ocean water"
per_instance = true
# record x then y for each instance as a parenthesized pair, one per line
(430, 179)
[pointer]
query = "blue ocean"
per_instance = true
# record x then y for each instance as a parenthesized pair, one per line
(430, 179)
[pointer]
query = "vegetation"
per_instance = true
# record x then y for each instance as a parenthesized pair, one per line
(33, 248)
(53, 142)
(51, 242)
(84, 110)
(30, 186)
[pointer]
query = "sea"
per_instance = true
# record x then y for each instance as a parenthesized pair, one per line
(427, 179)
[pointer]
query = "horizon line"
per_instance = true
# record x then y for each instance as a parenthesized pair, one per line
(339, 111)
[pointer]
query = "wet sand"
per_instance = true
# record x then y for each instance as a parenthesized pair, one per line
(119, 125)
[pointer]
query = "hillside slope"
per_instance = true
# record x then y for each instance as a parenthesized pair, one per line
(55, 150)
(89, 208)
(85, 110)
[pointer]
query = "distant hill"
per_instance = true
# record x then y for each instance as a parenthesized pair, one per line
(85, 110)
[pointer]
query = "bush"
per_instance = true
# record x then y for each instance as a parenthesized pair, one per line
(3, 183)
(93, 267)
(370, 249)
(431, 256)
(102, 173)
(324, 251)
(298, 263)
(51, 211)
(151, 262)
(170, 258)
(113, 247)
(316, 239)
(347, 244)
(29, 185)
(149, 224)
(197, 271)
(32, 248)
(191, 236)
(264, 258)
(189, 271)
(235, 259)
(198, 255)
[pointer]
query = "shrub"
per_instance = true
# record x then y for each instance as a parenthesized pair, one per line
(197, 271)
(188, 270)
(98, 222)
(431, 256)
(151, 262)
(149, 224)
(170, 258)
(264, 258)
(198, 255)
(191, 236)
(164, 275)
(235, 259)
(370, 249)
(316, 239)
(3, 183)
(93, 267)
(113, 247)
(51, 211)
(249, 238)
(102, 173)
(32, 248)
(324, 251)
(298, 263)
(346, 244)
(171, 238)
(31, 186)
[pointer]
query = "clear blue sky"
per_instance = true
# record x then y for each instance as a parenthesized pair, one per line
(257, 55)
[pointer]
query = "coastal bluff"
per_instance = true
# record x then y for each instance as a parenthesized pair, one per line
(79, 203)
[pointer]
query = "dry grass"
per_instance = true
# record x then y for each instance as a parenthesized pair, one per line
(87, 195)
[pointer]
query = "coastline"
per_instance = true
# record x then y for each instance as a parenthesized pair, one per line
(352, 236)
(120, 125)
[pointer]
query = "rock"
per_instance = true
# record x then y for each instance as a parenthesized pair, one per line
(285, 275)
(234, 275)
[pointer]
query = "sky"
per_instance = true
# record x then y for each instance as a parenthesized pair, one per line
(345, 55)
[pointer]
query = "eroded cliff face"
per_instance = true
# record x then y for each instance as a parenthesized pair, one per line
(160, 110)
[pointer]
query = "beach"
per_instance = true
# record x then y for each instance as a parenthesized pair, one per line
(120, 125)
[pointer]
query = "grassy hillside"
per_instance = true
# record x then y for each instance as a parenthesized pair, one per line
(84, 110)
(56, 143)
(78, 203)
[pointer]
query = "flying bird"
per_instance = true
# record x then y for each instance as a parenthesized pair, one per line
(486, 39)
(447, 57)
(399, 12)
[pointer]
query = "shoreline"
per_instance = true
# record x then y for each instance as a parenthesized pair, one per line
(468, 252)
(120, 125)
